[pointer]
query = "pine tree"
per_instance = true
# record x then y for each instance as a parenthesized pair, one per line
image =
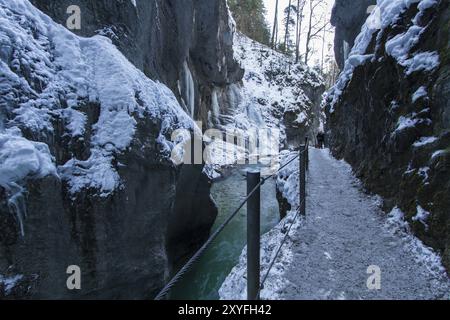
(250, 17)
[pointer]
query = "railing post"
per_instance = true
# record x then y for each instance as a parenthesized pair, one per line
(253, 235)
(307, 153)
(302, 180)
(196, 152)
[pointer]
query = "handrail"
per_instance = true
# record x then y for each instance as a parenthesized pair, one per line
(272, 263)
(203, 248)
(188, 265)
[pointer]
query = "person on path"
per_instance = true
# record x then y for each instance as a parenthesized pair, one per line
(320, 140)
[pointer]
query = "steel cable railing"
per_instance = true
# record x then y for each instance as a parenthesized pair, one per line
(272, 263)
(188, 265)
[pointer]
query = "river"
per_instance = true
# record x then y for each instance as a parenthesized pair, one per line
(206, 277)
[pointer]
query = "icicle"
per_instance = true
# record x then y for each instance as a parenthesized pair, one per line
(16, 203)
(215, 105)
(189, 90)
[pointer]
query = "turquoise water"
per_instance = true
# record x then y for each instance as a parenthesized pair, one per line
(205, 279)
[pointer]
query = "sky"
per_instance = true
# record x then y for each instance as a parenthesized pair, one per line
(317, 44)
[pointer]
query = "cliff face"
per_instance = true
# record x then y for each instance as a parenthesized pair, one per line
(347, 17)
(187, 45)
(388, 115)
(86, 175)
(278, 93)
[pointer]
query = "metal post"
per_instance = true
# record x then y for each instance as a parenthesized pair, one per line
(253, 235)
(302, 181)
(307, 153)
(192, 151)
(247, 149)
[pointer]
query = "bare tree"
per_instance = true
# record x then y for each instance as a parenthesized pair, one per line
(323, 48)
(316, 24)
(331, 69)
(275, 27)
(300, 8)
(288, 20)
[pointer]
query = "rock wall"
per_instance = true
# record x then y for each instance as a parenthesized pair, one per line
(347, 17)
(127, 241)
(390, 117)
(181, 43)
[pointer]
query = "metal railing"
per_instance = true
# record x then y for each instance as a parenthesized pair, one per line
(253, 201)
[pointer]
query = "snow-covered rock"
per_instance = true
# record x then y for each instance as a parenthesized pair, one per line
(347, 17)
(59, 64)
(21, 158)
(276, 92)
(86, 175)
(388, 113)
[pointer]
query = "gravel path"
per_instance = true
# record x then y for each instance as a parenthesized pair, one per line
(344, 233)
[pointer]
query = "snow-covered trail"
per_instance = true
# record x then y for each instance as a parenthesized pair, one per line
(343, 234)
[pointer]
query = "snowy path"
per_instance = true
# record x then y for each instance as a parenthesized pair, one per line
(343, 234)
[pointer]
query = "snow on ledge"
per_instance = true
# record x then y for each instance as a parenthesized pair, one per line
(398, 47)
(82, 71)
(21, 158)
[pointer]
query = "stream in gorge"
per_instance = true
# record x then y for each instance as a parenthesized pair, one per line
(206, 277)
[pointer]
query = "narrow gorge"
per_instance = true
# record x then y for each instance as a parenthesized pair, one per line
(100, 100)
(87, 141)
(87, 178)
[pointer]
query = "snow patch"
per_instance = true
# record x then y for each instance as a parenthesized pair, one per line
(405, 122)
(424, 61)
(424, 173)
(424, 255)
(9, 283)
(438, 154)
(422, 216)
(424, 141)
(288, 180)
(420, 93)
(399, 46)
(21, 159)
(235, 286)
